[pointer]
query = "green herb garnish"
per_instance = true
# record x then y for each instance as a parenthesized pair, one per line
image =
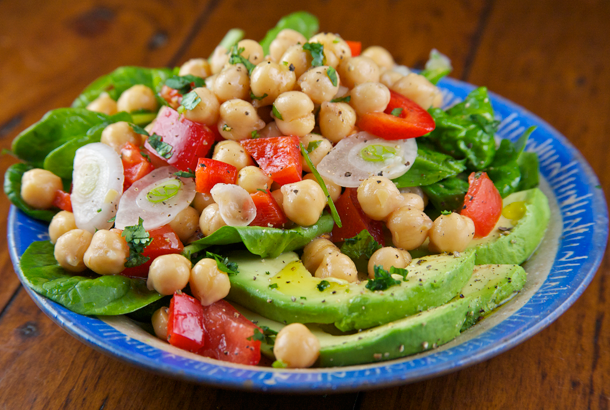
(137, 239)
(276, 113)
(145, 155)
(361, 245)
(163, 148)
(189, 102)
(383, 280)
(345, 99)
(182, 174)
(316, 174)
(254, 97)
(312, 146)
(235, 57)
(139, 130)
(267, 336)
(278, 364)
(317, 53)
(255, 134)
(396, 112)
(273, 286)
(332, 75)
(223, 263)
(111, 220)
(185, 83)
(323, 285)
(377, 153)
(446, 212)
(165, 191)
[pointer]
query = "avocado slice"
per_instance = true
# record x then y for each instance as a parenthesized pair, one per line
(283, 290)
(489, 287)
(515, 238)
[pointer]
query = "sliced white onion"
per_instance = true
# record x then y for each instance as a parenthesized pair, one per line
(97, 186)
(345, 166)
(235, 204)
(157, 199)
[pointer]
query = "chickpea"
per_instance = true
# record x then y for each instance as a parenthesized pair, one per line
(317, 85)
(451, 233)
(208, 283)
(417, 191)
(210, 220)
(159, 322)
(409, 227)
(388, 257)
(279, 198)
(219, 58)
(61, 223)
(296, 110)
(334, 44)
(369, 97)
(334, 190)
(380, 56)
(238, 119)
(413, 201)
(206, 112)
(337, 121)
(38, 188)
(323, 148)
(185, 224)
(70, 249)
(138, 97)
(168, 274)
(201, 201)
(231, 83)
(389, 78)
(232, 153)
(296, 346)
(253, 51)
(419, 89)
(118, 134)
(358, 70)
(283, 41)
(295, 57)
(315, 251)
(272, 79)
(199, 67)
(252, 179)
(270, 130)
(103, 104)
(107, 253)
(379, 197)
(303, 202)
(210, 81)
(337, 265)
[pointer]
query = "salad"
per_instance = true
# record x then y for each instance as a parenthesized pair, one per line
(298, 199)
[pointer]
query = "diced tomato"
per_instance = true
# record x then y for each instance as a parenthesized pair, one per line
(268, 212)
(278, 157)
(135, 166)
(227, 333)
(482, 204)
(164, 242)
(354, 219)
(185, 325)
(210, 172)
(173, 97)
(413, 121)
(355, 46)
(62, 200)
(189, 140)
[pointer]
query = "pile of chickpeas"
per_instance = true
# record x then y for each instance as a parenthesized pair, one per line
(239, 105)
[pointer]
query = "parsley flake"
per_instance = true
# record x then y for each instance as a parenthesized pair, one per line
(273, 286)
(446, 212)
(189, 102)
(145, 155)
(317, 53)
(278, 364)
(139, 130)
(182, 174)
(312, 146)
(163, 149)
(226, 128)
(137, 239)
(323, 285)
(254, 97)
(255, 134)
(267, 335)
(383, 279)
(345, 99)
(396, 112)
(332, 75)
(111, 220)
(223, 263)
(276, 113)
(235, 57)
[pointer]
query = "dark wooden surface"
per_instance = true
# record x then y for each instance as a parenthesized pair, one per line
(552, 57)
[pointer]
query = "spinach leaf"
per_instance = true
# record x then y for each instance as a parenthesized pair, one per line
(301, 21)
(361, 245)
(60, 161)
(103, 295)
(528, 167)
(429, 167)
(449, 193)
(265, 242)
(12, 189)
(467, 130)
(54, 129)
(120, 80)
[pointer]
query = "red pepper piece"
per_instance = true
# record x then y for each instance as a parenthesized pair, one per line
(268, 212)
(354, 219)
(482, 204)
(210, 172)
(185, 325)
(62, 200)
(355, 47)
(135, 166)
(278, 157)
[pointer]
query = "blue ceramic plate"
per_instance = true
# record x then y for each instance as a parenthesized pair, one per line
(558, 274)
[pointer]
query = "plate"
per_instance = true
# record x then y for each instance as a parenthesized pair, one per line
(558, 274)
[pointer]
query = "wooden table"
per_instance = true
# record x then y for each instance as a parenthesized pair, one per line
(552, 57)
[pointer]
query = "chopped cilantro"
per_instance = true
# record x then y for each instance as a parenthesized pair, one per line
(162, 148)
(273, 286)
(99, 210)
(399, 271)
(185, 83)
(137, 239)
(139, 130)
(332, 75)
(446, 212)
(345, 99)
(255, 134)
(235, 57)
(361, 245)
(267, 336)
(145, 155)
(182, 174)
(317, 53)
(303, 297)
(278, 364)
(396, 112)
(267, 273)
(276, 113)
(323, 285)
(223, 263)
(254, 97)
(383, 279)
(312, 146)
(189, 102)
(111, 220)
(226, 128)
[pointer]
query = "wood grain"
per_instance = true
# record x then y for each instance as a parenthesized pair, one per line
(550, 57)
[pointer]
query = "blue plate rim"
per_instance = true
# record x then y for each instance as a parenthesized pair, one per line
(374, 376)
